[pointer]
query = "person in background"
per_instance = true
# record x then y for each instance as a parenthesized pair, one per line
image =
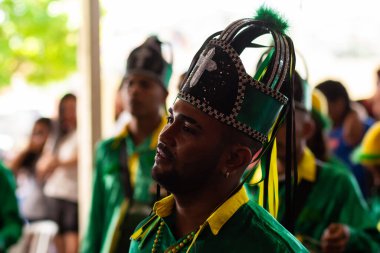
(330, 212)
(122, 184)
(10, 220)
(58, 166)
(348, 128)
(32, 200)
(368, 155)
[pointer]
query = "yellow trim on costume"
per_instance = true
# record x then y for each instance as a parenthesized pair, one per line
(273, 183)
(116, 235)
(142, 232)
(307, 167)
(273, 200)
(217, 219)
(133, 165)
(164, 207)
(227, 210)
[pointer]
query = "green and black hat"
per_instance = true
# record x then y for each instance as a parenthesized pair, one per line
(147, 59)
(219, 85)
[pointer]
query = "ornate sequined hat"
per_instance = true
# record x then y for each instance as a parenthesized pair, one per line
(147, 59)
(219, 85)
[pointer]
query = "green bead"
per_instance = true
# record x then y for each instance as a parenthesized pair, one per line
(185, 241)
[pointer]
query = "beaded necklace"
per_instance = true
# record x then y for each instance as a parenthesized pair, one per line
(174, 248)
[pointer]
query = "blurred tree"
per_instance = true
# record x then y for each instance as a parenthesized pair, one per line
(35, 41)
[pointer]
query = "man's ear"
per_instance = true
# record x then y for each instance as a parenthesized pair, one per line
(238, 157)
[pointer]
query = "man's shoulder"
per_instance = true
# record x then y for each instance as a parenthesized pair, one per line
(261, 222)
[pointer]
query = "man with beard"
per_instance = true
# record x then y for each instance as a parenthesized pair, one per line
(122, 194)
(218, 124)
(330, 212)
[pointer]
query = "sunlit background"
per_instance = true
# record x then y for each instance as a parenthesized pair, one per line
(338, 39)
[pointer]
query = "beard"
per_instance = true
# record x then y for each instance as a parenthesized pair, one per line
(184, 178)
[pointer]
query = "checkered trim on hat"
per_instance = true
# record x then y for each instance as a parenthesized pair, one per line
(226, 119)
(267, 90)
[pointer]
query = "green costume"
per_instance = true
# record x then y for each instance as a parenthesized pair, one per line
(109, 202)
(327, 195)
(222, 232)
(10, 221)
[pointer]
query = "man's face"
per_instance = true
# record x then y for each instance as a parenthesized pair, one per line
(189, 150)
(142, 96)
(336, 110)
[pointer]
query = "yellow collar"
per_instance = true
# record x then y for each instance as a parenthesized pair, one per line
(307, 167)
(217, 219)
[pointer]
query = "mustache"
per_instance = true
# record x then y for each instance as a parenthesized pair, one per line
(162, 148)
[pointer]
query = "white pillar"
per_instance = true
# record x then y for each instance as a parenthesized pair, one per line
(89, 104)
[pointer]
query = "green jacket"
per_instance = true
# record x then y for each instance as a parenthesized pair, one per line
(328, 195)
(109, 202)
(239, 225)
(10, 220)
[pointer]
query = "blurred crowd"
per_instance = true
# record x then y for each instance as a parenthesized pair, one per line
(338, 198)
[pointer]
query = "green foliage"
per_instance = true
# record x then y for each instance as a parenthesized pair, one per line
(272, 18)
(34, 42)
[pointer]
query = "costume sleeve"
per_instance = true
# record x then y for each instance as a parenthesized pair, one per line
(10, 220)
(364, 236)
(364, 240)
(93, 237)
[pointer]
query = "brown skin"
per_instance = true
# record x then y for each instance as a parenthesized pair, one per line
(353, 128)
(193, 162)
(144, 99)
(336, 236)
(38, 138)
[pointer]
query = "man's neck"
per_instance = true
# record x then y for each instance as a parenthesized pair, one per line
(192, 210)
(142, 127)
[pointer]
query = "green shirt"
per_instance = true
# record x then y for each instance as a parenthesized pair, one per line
(10, 221)
(238, 225)
(109, 203)
(332, 196)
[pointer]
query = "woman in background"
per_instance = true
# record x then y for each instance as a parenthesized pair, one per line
(58, 166)
(32, 201)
